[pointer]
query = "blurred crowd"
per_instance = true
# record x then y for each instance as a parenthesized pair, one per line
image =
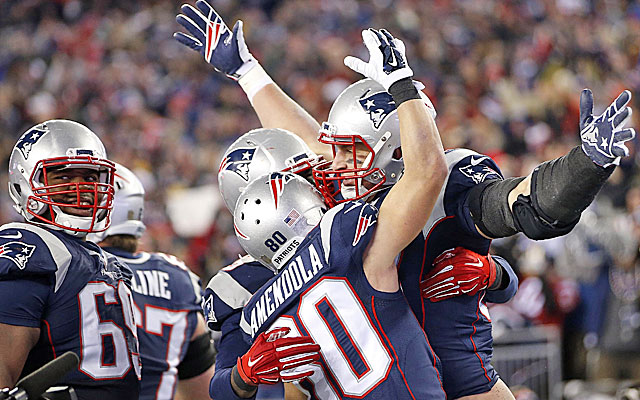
(505, 77)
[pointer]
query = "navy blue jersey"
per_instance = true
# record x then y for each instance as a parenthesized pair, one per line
(371, 343)
(224, 297)
(459, 329)
(80, 298)
(167, 300)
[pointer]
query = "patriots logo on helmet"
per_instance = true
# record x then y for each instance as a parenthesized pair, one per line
(238, 161)
(365, 221)
(17, 252)
(479, 172)
(28, 140)
(276, 183)
(378, 106)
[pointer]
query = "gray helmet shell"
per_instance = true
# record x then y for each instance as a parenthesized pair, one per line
(274, 214)
(258, 152)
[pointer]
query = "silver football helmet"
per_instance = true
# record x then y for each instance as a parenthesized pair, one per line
(128, 207)
(364, 114)
(274, 214)
(77, 208)
(258, 152)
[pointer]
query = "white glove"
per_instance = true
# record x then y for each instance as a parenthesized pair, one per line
(387, 61)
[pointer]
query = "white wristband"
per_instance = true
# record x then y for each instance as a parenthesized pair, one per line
(254, 80)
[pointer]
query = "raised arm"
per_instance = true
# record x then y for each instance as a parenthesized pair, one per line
(228, 53)
(407, 207)
(549, 202)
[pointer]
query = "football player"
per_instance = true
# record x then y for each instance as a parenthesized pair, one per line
(175, 347)
(477, 204)
(338, 278)
(256, 152)
(59, 292)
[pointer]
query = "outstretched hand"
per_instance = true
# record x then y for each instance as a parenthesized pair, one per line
(387, 61)
(224, 49)
(603, 137)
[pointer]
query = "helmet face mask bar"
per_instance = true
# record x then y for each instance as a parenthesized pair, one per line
(45, 194)
(365, 179)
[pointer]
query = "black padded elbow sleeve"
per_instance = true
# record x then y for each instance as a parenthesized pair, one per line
(489, 207)
(199, 357)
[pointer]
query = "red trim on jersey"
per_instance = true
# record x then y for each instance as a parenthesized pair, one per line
(49, 335)
(475, 349)
(424, 256)
(375, 315)
(335, 338)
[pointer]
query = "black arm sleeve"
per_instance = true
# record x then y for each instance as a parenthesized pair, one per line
(199, 357)
(564, 187)
(560, 190)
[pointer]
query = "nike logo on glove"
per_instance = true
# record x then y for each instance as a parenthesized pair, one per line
(476, 161)
(251, 362)
(16, 236)
(393, 62)
(478, 264)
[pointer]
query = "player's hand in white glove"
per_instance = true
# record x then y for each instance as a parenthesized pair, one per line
(387, 61)
(224, 49)
(603, 137)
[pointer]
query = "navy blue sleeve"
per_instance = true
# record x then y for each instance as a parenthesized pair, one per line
(24, 253)
(506, 294)
(470, 170)
(23, 300)
(231, 346)
(220, 386)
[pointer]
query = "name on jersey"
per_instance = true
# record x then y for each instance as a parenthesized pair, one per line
(151, 283)
(290, 280)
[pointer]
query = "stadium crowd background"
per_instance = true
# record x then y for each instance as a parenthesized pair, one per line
(505, 77)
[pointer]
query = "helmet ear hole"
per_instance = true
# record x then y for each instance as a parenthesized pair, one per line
(397, 154)
(17, 188)
(258, 201)
(257, 222)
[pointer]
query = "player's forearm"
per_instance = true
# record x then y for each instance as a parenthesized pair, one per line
(422, 150)
(276, 109)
